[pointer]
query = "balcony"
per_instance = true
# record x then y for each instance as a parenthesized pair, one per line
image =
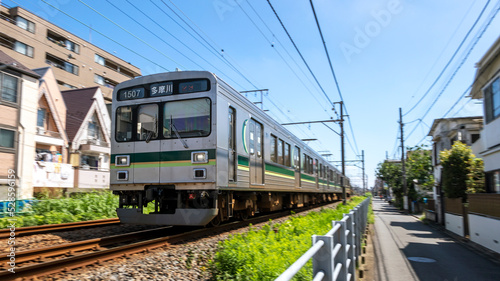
(91, 178)
(94, 145)
(49, 174)
(48, 137)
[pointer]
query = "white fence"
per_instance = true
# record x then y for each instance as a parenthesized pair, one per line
(334, 254)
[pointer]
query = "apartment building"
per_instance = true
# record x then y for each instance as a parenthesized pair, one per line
(37, 43)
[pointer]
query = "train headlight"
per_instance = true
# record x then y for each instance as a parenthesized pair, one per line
(122, 160)
(199, 157)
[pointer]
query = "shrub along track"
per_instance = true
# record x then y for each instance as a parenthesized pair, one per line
(39, 229)
(63, 258)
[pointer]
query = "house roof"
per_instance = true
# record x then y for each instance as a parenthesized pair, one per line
(78, 103)
(474, 119)
(9, 62)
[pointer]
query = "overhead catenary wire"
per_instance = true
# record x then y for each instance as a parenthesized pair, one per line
(309, 68)
(335, 78)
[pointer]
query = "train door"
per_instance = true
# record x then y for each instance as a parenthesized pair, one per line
(147, 146)
(232, 145)
(296, 165)
(256, 153)
(316, 170)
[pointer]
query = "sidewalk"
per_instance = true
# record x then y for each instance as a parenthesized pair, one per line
(408, 250)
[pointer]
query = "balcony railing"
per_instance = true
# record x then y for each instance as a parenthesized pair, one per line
(42, 132)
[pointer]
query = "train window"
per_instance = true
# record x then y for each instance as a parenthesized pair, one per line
(296, 158)
(287, 155)
(321, 170)
(280, 152)
(147, 122)
(187, 118)
(274, 140)
(124, 123)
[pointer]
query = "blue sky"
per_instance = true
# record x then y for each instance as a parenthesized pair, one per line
(386, 54)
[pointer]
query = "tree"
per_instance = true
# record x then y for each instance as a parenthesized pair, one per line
(391, 174)
(419, 169)
(462, 172)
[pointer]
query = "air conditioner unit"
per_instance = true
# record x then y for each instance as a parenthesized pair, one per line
(40, 130)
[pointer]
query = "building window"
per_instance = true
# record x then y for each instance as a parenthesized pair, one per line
(62, 64)
(7, 138)
(63, 41)
(100, 60)
(492, 100)
(101, 80)
(9, 88)
(41, 117)
(23, 49)
(94, 130)
(25, 24)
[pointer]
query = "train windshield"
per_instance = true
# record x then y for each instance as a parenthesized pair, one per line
(187, 118)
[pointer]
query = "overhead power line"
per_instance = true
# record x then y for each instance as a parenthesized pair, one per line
(451, 59)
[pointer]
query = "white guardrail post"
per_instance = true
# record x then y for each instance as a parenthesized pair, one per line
(335, 254)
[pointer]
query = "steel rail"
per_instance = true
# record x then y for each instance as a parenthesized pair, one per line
(39, 229)
(102, 255)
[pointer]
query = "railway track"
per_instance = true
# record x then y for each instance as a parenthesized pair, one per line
(39, 229)
(63, 258)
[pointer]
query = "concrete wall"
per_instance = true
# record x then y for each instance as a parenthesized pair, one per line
(455, 224)
(485, 231)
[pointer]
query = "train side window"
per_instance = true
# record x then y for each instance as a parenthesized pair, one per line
(287, 155)
(273, 148)
(321, 170)
(296, 158)
(124, 125)
(147, 122)
(280, 152)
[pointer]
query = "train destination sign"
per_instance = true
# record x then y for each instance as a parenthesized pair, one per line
(165, 88)
(161, 89)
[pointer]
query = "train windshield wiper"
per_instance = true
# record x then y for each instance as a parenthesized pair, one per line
(177, 133)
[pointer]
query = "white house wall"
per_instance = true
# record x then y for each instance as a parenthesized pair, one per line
(27, 133)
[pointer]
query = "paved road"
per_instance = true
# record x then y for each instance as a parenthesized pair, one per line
(408, 250)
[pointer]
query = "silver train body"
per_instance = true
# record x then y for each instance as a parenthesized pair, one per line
(188, 149)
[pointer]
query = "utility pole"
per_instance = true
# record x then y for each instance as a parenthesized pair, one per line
(405, 190)
(342, 150)
(363, 160)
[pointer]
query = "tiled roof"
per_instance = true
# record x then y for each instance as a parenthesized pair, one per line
(15, 65)
(78, 103)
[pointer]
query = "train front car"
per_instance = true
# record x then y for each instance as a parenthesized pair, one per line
(163, 149)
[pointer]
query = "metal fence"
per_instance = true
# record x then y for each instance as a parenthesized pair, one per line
(334, 255)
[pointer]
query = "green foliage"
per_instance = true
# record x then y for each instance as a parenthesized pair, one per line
(264, 254)
(391, 173)
(418, 165)
(462, 172)
(81, 207)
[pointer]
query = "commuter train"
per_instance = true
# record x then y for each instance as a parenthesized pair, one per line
(188, 149)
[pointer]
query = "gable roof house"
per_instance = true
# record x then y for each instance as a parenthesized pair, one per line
(18, 96)
(88, 125)
(51, 142)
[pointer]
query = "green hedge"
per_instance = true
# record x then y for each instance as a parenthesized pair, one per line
(81, 207)
(266, 253)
